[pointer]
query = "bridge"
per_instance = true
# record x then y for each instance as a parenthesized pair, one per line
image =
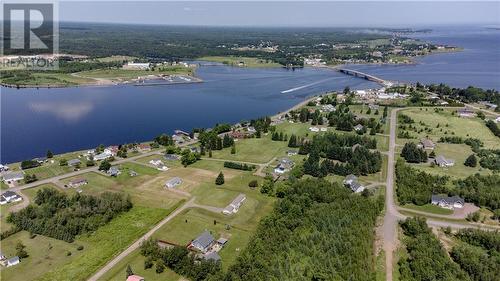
(366, 76)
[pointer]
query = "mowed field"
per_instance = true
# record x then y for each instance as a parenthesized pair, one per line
(449, 125)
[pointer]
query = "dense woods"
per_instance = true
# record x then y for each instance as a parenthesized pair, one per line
(345, 154)
(481, 190)
(426, 259)
(63, 217)
(318, 231)
(239, 166)
(479, 254)
(412, 154)
(469, 94)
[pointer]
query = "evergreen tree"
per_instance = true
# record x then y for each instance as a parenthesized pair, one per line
(21, 250)
(292, 142)
(129, 271)
(220, 179)
(104, 166)
(233, 149)
(49, 154)
(471, 161)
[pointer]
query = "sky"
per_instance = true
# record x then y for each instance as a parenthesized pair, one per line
(284, 13)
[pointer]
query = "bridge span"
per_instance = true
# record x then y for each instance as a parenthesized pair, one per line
(366, 76)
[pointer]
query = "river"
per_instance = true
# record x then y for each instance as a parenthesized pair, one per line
(68, 119)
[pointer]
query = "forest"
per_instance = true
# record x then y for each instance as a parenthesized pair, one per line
(318, 231)
(469, 94)
(58, 215)
(426, 258)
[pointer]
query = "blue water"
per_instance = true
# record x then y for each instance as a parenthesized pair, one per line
(68, 119)
(477, 65)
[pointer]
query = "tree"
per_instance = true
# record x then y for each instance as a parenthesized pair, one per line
(49, 154)
(148, 263)
(129, 271)
(63, 162)
(104, 166)
(160, 267)
(292, 142)
(233, 149)
(21, 250)
(413, 154)
(220, 179)
(481, 115)
(471, 161)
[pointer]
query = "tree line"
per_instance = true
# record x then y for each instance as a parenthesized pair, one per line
(57, 215)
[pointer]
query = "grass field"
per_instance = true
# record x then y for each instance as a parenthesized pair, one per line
(429, 209)
(120, 74)
(106, 242)
(460, 127)
(234, 61)
(253, 150)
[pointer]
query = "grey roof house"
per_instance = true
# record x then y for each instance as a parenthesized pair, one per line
(173, 182)
(441, 161)
(203, 242)
(74, 162)
(448, 202)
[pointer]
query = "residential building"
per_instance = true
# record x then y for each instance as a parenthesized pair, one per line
(235, 205)
(173, 182)
(314, 129)
(447, 202)
(74, 162)
(497, 119)
(251, 129)
(134, 277)
(203, 242)
(102, 156)
(284, 166)
(441, 161)
(465, 112)
(3, 201)
(172, 157)
(351, 181)
(427, 144)
(292, 152)
(10, 196)
(132, 173)
(323, 129)
(143, 147)
(12, 261)
(77, 182)
(12, 177)
(156, 162)
(137, 65)
(358, 127)
(4, 168)
(114, 171)
(328, 108)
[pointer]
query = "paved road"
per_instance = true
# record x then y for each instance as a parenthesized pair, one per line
(137, 244)
(392, 215)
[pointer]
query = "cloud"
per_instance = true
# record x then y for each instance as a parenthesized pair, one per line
(68, 111)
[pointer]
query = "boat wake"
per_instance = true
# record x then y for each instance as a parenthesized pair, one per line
(305, 86)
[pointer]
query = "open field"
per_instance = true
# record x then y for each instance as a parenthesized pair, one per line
(450, 125)
(54, 264)
(116, 58)
(234, 61)
(253, 150)
(430, 209)
(120, 74)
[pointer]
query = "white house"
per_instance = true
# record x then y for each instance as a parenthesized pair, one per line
(284, 166)
(3, 168)
(453, 202)
(358, 127)
(235, 205)
(12, 177)
(12, 261)
(173, 182)
(351, 181)
(314, 129)
(104, 155)
(137, 65)
(441, 161)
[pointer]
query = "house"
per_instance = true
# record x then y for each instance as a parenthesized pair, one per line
(12, 261)
(447, 202)
(156, 162)
(251, 129)
(203, 242)
(235, 205)
(314, 129)
(284, 166)
(3, 168)
(113, 150)
(11, 196)
(497, 119)
(181, 133)
(137, 65)
(222, 241)
(323, 129)
(114, 171)
(102, 156)
(328, 108)
(74, 162)
(172, 156)
(173, 182)
(465, 112)
(358, 127)
(427, 144)
(3, 201)
(40, 160)
(77, 182)
(292, 152)
(143, 147)
(441, 161)
(134, 277)
(132, 173)
(12, 177)
(351, 181)
(2, 257)
(177, 139)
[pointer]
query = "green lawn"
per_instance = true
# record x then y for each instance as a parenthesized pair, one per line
(119, 74)
(461, 127)
(253, 150)
(44, 254)
(429, 209)
(233, 61)
(105, 243)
